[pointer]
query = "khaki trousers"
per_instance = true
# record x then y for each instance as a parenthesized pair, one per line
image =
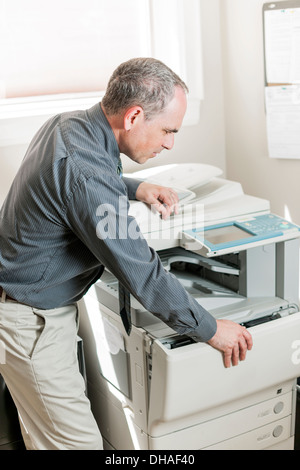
(38, 361)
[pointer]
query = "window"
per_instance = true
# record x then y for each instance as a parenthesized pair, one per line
(67, 46)
(59, 54)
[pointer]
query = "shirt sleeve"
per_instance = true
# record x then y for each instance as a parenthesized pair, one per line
(131, 185)
(98, 215)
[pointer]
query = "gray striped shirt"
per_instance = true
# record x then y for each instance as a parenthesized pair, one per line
(51, 247)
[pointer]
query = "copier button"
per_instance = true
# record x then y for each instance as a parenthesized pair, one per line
(277, 431)
(278, 407)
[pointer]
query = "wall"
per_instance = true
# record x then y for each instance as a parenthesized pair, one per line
(204, 142)
(10, 159)
(247, 157)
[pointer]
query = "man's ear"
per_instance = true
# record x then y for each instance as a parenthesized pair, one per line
(132, 116)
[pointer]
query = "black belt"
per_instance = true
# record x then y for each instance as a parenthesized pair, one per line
(7, 296)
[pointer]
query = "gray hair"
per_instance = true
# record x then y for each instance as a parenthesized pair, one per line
(144, 82)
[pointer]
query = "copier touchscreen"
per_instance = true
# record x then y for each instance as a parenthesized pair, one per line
(225, 234)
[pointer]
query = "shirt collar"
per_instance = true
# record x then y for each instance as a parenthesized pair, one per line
(104, 130)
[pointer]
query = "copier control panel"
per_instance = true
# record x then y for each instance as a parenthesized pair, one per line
(236, 235)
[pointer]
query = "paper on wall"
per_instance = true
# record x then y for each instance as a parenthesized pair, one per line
(283, 121)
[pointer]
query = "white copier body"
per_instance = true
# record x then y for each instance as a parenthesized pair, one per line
(158, 390)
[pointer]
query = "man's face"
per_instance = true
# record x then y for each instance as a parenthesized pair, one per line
(147, 138)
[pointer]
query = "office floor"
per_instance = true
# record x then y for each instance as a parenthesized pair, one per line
(10, 434)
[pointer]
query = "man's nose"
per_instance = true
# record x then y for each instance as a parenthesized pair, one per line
(168, 141)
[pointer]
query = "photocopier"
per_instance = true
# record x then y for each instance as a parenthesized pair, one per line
(158, 390)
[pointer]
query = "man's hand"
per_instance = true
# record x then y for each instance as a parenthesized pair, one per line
(165, 200)
(233, 340)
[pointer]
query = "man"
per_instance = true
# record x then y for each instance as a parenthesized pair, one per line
(52, 249)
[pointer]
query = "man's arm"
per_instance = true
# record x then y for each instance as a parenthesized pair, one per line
(131, 186)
